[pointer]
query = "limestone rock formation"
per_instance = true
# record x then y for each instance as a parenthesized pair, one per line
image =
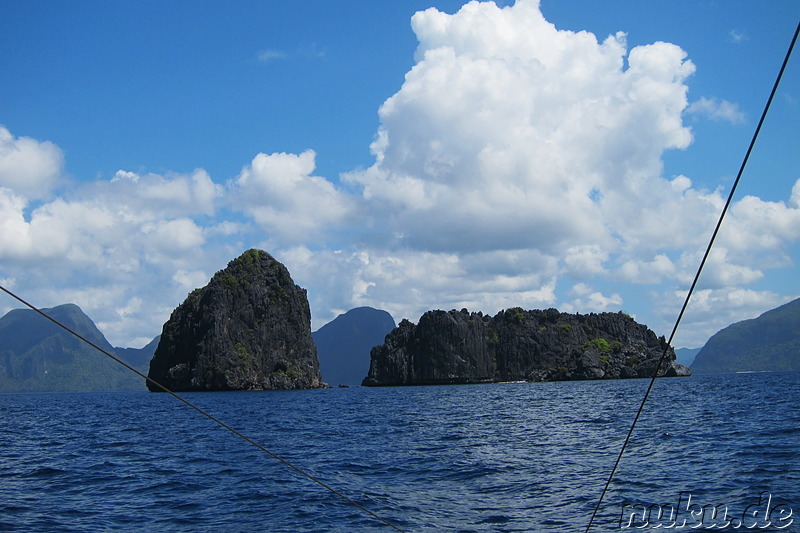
(248, 329)
(517, 345)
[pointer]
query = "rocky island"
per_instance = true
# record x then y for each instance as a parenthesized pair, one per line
(248, 329)
(518, 345)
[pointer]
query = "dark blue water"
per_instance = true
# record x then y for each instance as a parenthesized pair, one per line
(505, 457)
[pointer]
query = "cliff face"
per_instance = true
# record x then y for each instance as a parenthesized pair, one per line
(517, 345)
(248, 329)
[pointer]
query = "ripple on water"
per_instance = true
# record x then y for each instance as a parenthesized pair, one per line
(505, 457)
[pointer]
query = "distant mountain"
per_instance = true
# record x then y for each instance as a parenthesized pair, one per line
(769, 342)
(344, 344)
(38, 355)
(139, 358)
(685, 356)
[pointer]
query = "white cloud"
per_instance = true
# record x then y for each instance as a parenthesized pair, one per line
(266, 56)
(124, 175)
(721, 271)
(407, 282)
(710, 310)
(174, 238)
(279, 193)
(15, 240)
(506, 128)
(647, 272)
(174, 194)
(189, 280)
(719, 110)
(52, 231)
(116, 245)
(585, 299)
(756, 224)
(28, 167)
(585, 260)
(736, 36)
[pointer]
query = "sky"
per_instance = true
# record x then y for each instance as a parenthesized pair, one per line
(407, 156)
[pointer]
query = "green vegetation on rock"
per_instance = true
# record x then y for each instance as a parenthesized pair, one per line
(601, 345)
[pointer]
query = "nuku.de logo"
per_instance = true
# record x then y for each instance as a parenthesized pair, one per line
(690, 515)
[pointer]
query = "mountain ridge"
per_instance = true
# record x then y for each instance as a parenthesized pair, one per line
(344, 344)
(37, 355)
(769, 342)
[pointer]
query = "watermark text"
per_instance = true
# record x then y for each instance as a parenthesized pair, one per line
(687, 513)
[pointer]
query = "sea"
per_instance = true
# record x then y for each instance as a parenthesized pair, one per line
(712, 452)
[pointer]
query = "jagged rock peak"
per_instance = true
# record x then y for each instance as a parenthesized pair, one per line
(248, 329)
(517, 345)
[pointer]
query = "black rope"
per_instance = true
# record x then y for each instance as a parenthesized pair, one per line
(204, 413)
(696, 277)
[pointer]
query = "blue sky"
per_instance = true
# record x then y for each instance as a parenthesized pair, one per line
(484, 156)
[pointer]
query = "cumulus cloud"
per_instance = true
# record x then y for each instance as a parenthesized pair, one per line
(176, 194)
(174, 237)
(586, 260)
(507, 130)
(279, 193)
(107, 215)
(28, 167)
(110, 244)
(585, 299)
(756, 224)
(15, 239)
(510, 135)
(643, 271)
(719, 110)
(710, 310)
(408, 282)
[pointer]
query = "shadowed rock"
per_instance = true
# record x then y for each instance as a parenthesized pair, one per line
(344, 344)
(518, 345)
(248, 329)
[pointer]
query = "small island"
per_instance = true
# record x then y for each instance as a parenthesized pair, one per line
(456, 347)
(248, 329)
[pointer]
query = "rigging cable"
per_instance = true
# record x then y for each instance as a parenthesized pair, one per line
(204, 413)
(696, 277)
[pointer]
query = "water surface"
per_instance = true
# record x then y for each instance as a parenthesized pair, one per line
(502, 457)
